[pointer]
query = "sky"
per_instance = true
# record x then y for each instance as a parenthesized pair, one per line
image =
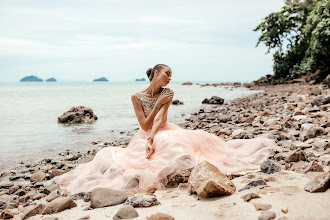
(210, 40)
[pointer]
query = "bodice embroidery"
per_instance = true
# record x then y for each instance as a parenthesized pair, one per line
(149, 103)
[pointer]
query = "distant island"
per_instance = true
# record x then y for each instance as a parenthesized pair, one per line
(51, 80)
(102, 79)
(140, 80)
(31, 79)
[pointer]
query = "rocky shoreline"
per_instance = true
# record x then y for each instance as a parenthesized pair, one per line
(296, 116)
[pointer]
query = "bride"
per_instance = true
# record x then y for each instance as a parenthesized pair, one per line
(160, 148)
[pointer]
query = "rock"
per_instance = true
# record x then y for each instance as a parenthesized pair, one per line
(58, 205)
(274, 127)
(20, 192)
(326, 81)
(284, 210)
(103, 197)
(253, 184)
(87, 197)
(206, 180)
(31, 79)
(13, 189)
(267, 215)
(57, 172)
(242, 134)
(262, 207)
(53, 195)
(308, 131)
(142, 201)
(321, 100)
(301, 145)
(186, 84)
(239, 134)
(304, 167)
(32, 211)
(6, 185)
(270, 166)
(322, 144)
(214, 100)
(75, 157)
(102, 79)
(249, 196)
(13, 178)
(50, 218)
(38, 176)
(295, 156)
(177, 102)
(126, 212)
(319, 183)
(160, 216)
(273, 121)
(78, 196)
(86, 217)
(179, 176)
(79, 114)
(6, 214)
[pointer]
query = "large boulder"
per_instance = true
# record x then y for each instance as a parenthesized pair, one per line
(103, 197)
(214, 100)
(79, 114)
(206, 180)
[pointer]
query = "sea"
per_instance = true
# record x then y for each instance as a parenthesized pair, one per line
(29, 129)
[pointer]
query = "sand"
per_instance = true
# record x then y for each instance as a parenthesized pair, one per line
(284, 189)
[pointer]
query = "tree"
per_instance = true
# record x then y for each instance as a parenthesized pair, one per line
(300, 35)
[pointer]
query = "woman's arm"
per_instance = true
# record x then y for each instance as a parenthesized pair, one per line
(155, 127)
(158, 120)
(146, 122)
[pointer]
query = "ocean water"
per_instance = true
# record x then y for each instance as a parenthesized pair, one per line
(29, 129)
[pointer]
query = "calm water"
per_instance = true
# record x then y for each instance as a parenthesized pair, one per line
(29, 111)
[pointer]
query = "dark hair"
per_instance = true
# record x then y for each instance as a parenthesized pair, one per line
(150, 71)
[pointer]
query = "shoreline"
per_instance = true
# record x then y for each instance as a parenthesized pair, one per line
(281, 112)
(115, 137)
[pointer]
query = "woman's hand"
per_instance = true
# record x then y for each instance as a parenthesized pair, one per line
(165, 98)
(150, 149)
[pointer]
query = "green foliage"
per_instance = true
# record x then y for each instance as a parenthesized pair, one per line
(304, 27)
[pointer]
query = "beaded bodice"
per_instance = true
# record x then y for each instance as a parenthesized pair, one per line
(149, 103)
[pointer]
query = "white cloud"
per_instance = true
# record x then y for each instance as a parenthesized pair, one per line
(76, 38)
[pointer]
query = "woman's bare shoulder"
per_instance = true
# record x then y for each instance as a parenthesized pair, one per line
(135, 96)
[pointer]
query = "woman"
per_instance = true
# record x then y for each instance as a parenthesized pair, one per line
(160, 148)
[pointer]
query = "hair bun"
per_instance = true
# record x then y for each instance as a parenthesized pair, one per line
(150, 73)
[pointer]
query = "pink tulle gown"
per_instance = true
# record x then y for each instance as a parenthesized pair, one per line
(128, 169)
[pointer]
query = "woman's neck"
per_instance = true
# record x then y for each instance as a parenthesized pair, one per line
(153, 89)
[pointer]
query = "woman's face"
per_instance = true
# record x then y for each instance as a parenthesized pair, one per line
(164, 76)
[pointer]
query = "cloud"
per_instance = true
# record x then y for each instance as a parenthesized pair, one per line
(71, 38)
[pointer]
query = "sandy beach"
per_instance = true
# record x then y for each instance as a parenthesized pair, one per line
(296, 116)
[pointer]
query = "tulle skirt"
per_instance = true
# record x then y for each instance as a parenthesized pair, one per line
(176, 149)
